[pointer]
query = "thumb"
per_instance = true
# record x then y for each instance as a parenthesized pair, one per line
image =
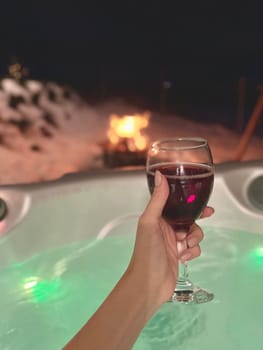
(159, 196)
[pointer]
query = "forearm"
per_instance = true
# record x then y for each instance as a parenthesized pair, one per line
(119, 320)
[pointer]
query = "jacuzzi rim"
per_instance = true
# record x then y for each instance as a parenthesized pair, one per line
(219, 169)
(243, 197)
(257, 205)
(28, 194)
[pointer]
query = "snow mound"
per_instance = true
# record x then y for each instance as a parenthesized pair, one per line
(43, 131)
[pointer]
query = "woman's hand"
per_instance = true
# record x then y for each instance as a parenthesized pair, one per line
(156, 255)
(148, 281)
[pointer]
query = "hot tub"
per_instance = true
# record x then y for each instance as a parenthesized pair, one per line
(64, 244)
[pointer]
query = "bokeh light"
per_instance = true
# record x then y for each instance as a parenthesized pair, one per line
(41, 290)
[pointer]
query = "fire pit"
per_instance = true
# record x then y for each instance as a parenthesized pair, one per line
(126, 144)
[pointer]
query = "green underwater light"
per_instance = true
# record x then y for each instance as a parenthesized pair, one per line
(41, 290)
(258, 252)
(256, 257)
(30, 283)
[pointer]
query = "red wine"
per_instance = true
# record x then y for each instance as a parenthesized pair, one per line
(190, 187)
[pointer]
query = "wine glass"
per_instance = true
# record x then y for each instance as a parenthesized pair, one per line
(187, 164)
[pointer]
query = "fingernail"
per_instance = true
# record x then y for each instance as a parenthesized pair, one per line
(186, 257)
(157, 178)
(192, 242)
(180, 235)
(212, 209)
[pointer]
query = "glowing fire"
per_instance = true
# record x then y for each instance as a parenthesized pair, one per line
(129, 128)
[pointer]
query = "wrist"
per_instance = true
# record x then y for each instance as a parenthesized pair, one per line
(143, 291)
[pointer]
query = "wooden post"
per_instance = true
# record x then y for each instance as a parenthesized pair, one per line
(246, 136)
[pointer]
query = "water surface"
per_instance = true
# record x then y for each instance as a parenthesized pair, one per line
(46, 299)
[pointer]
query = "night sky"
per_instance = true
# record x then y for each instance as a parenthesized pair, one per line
(199, 46)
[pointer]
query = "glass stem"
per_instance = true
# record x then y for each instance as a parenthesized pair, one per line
(183, 282)
(183, 270)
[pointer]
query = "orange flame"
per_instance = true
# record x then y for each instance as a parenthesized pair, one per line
(129, 127)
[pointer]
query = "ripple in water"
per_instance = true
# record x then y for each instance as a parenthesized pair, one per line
(174, 326)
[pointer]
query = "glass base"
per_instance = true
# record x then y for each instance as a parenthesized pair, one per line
(186, 292)
(192, 295)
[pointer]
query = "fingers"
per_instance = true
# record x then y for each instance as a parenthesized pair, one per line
(208, 211)
(194, 237)
(158, 198)
(190, 253)
(180, 236)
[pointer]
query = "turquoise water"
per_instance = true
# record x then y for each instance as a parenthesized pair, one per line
(46, 299)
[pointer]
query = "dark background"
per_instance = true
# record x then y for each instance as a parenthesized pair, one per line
(182, 57)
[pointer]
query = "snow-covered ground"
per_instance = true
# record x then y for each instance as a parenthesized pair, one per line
(46, 132)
